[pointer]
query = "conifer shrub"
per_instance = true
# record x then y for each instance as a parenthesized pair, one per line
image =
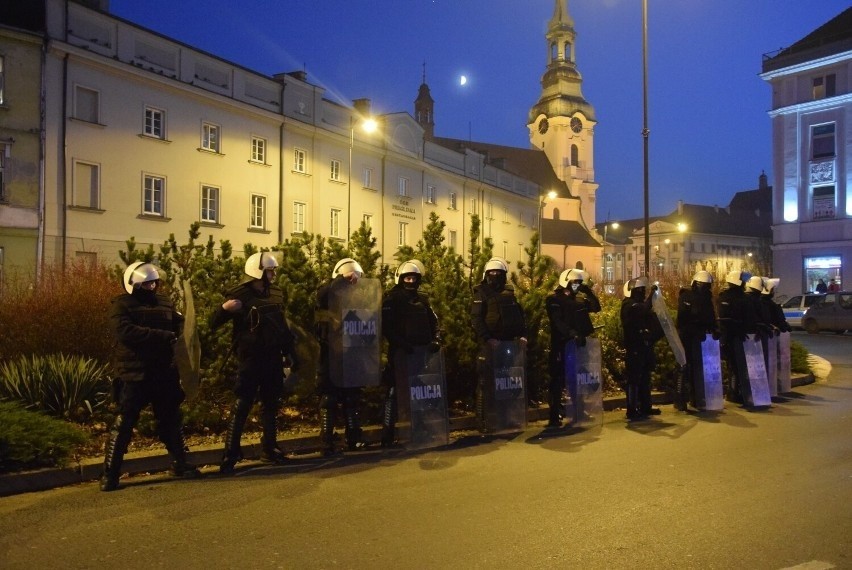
(30, 440)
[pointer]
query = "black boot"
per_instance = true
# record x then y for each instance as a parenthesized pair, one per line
(269, 442)
(389, 419)
(233, 453)
(554, 400)
(326, 413)
(645, 401)
(114, 451)
(177, 449)
(354, 434)
(633, 411)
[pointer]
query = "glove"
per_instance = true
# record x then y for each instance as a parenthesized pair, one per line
(715, 335)
(167, 336)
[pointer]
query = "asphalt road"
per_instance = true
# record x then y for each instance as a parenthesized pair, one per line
(740, 489)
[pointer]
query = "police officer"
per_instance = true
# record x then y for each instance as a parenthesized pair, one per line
(641, 330)
(736, 319)
(568, 309)
(407, 322)
(696, 318)
(146, 328)
(496, 316)
(776, 314)
(346, 273)
(262, 339)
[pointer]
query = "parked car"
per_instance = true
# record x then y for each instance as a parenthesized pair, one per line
(831, 313)
(795, 307)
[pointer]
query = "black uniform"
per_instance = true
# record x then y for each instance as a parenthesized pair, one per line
(496, 315)
(146, 327)
(696, 318)
(736, 320)
(407, 322)
(568, 312)
(330, 394)
(261, 339)
(641, 330)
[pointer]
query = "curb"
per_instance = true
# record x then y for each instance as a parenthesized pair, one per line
(157, 461)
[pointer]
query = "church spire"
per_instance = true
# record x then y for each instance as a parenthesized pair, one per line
(424, 108)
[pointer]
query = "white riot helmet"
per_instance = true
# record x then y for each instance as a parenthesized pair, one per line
(702, 277)
(569, 275)
(412, 267)
(138, 273)
(737, 277)
(346, 267)
(495, 264)
(258, 263)
(635, 283)
(769, 285)
(755, 283)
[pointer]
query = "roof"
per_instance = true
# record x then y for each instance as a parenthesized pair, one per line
(833, 37)
(566, 232)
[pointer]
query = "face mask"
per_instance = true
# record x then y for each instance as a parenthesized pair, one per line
(575, 286)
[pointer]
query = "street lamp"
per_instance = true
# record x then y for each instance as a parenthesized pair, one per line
(607, 225)
(368, 125)
(550, 195)
(645, 131)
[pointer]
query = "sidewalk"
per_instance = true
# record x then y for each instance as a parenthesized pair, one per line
(157, 461)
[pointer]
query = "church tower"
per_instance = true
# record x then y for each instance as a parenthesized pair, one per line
(562, 123)
(424, 109)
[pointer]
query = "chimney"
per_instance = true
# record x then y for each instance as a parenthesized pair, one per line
(680, 207)
(362, 106)
(762, 182)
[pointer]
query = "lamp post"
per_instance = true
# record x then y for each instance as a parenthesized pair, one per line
(368, 125)
(604, 258)
(645, 131)
(551, 195)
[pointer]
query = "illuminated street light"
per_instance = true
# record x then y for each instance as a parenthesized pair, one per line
(368, 125)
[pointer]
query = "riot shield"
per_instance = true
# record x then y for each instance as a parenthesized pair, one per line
(752, 372)
(583, 381)
(422, 397)
(658, 304)
(784, 372)
(771, 361)
(505, 394)
(188, 347)
(354, 340)
(708, 375)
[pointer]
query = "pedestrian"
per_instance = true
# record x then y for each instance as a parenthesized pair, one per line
(146, 327)
(496, 316)
(408, 322)
(696, 318)
(641, 330)
(821, 287)
(568, 311)
(333, 393)
(737, 319)
(261, 339)
(833, 286)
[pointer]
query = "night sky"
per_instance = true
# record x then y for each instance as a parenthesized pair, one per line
(710, 132)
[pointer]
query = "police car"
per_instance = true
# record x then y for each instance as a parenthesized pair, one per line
(795, 307)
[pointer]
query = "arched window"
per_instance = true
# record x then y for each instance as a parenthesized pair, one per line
(568, 51)
(555, 213)
(575, 155)
(554, 52)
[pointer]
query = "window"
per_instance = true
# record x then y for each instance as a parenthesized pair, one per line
(152, 195)
(403, 234)
(452, 238)
(299, 217)
(210, 137)
(430, 194)
(453, 201)
(505, 250)
(3, 150)
(334, 223)
(258, 150)
(155, 123)
(367, 220)
(210, 204)
(473, 205)
(300, 159)
(403, 186)
(823, 202)
(86, 185)
(491, 212)
(506, 214)
(335, 170)
(822, 141)
(575, 155)
(86, 104)
(257, 218)
(824, 86)
(368, 178)
(2, 81)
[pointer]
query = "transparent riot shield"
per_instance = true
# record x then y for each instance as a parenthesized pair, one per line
(583, 381)
(771, 361)
(784, 372)
(708, 376)
(752, 372)
(658, 304)
(422, 397)
(354, 339)
(505, 395)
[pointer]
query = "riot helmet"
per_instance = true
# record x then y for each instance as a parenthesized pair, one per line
(347, 268)
(635, 288)
(769, 285)
(702, 280)
(410, 268)
(258, 263)
(139, 272)
(738, 278)
(572, 278)
(755, 284)
(495, 272)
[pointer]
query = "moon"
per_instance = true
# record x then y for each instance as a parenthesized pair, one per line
(463, 80)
